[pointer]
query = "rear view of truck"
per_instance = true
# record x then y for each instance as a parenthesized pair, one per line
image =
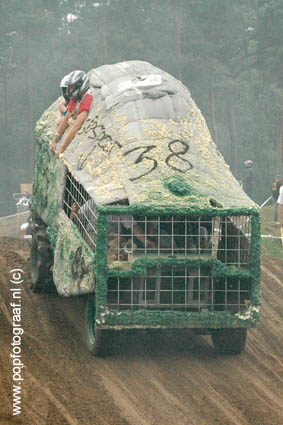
(162, 237)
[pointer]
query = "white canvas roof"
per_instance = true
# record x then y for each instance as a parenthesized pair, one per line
(143, 130)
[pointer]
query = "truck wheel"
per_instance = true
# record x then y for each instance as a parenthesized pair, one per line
(41, 260)
(98, 340)
(229, 341)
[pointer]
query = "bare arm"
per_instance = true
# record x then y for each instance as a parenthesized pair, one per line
(61, 111)
(61, 130)
(73, 131)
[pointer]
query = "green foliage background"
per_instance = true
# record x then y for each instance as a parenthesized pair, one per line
(229, 53)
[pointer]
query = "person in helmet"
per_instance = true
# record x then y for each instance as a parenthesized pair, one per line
(275, 193)
(62, 108)
(280, 208)
(249, 177)
(75, 89)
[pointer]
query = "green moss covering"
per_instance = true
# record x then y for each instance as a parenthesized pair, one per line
(48, 184)
(48, 191)
(101, 264)
(73, 261)
(200, 192)
(52, 236)
(173, 319)
(178, 186)
(255, 260)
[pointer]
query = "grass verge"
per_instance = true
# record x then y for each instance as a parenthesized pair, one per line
(269, 245)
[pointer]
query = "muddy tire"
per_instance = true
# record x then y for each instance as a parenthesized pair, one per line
(41, 259)
(99, 341)
(229, 341)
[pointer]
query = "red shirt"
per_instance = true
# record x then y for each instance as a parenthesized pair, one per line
(83, 105)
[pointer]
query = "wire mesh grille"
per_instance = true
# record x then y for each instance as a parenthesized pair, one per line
(179, 289)
(225, 238)
(81, 209)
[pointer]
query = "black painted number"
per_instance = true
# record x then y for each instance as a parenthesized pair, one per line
(141, 157)
(178, 147)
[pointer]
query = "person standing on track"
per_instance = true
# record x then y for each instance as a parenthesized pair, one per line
(280, 209)
(275, 193)
(249, 177)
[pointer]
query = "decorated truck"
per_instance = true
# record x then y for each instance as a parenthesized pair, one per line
(142, 213)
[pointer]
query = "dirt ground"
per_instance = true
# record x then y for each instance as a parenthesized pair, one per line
(175, 379)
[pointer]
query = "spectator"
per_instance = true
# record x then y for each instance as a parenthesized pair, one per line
(275, 193)
(76, 89)
(280, 208)
(248, 180)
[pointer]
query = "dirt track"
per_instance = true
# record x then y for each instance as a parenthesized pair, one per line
(174, 380)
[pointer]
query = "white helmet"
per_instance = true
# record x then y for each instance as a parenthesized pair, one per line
(64, 86)
(249, 163)
(81, 84)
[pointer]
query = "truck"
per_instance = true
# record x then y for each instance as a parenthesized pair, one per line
(162, 235)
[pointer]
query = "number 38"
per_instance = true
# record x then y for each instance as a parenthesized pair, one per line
(176, 147)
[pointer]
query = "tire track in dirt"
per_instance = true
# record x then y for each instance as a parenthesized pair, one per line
(52, 400)
(173, 378)
(59, 387)
(273, 262)
(274, 277)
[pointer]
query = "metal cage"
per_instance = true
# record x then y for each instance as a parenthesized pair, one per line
(81, 209)
(224, 238)
(179, 288)
(168, 287)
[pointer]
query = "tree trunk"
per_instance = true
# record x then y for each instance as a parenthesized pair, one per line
(234, 137)
(212, 115)
(29, 118)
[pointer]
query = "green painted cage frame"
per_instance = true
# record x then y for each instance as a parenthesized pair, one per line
(107, 318)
